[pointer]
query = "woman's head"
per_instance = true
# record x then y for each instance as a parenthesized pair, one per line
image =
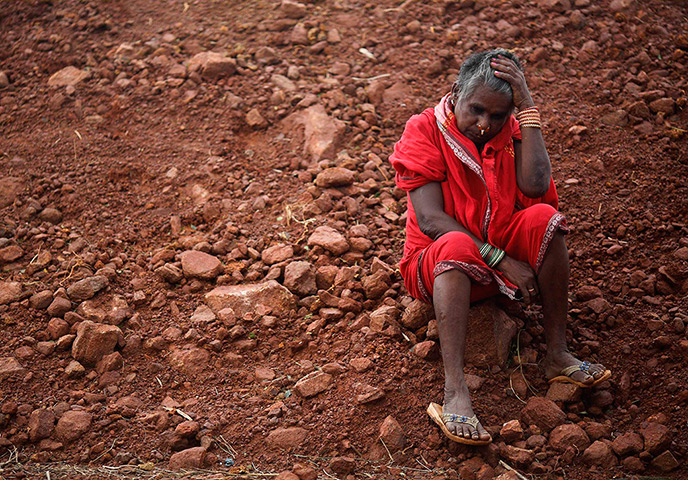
(482, 101)
(476, 71)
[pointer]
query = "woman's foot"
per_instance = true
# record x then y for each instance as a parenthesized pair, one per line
(586, 373)
(458, 401)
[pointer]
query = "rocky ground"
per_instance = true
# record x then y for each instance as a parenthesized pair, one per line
(199, 238)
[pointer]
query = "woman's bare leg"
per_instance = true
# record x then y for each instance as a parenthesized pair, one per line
(553, 282)
(451, 299)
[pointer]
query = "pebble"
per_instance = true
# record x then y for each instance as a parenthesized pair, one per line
(87, 288)
(72, 425)
(196, 264)
(277, 254)
(627, 444)
(212, 65)
(313, 384)
(10, 292)
(287, 438)
(657, 437)
(564, 436)
(243, 299)
(51, 215)
(68, 76)
(94, 340)
(511, 431)
(542, 412)
(299, 278)
(254, 119)
(41, 424)
(334, 177)
(392, 434)
(192, 458)
(329, 239)
(599, 454)
(191, 362)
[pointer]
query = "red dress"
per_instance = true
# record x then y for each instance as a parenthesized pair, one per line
(481, 193)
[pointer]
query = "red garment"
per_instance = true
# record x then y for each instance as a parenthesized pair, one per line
(480, 192)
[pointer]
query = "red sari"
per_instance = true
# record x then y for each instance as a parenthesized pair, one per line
(481, 193)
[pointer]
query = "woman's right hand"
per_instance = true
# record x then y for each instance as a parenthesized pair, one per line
(521, 275)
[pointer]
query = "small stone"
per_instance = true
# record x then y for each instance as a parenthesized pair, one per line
(334, 177)
(192, 458)
(242, 299)
(342, 465)
(87, 288)
(361, 364)
(599, 454)
(392, 434)
(74, 370)
(663, 105)
(292, 9)
(41, 300)
(427, 350)
(665, 461)
(59, 307)
(313, 384)
(627, 444)
(10, 292)
(94, 340)
(287, 438)
(370, 394)
(657, 437)
(10, 254)
(277, 254)
(511, 431)
(618, 118)
(50, 215)
(264, 374)
(191, 362)
(681, 254)
(563, 392)
(72, 425)
(329, 239)
(197, 264)
(255, 120)
(542, 412)
(202, 315)
(212, 65)
(41, 424)
(564, 436)
(68, 76)
(299, 278)
(417, 315)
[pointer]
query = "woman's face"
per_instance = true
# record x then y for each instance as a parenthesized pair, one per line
(485, 110)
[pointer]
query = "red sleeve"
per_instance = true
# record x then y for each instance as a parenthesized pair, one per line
(417, 158)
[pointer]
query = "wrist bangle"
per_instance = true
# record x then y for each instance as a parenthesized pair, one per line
(497, 257)
(486, 250)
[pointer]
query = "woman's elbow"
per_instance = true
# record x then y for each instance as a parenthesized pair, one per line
(536, 187)
(426, 225)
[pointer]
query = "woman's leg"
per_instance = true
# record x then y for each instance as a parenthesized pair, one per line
(553, 282)
(451, 299)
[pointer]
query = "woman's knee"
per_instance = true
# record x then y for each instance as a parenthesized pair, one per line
(456, 240)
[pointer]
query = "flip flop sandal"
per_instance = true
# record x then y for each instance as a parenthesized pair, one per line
(565, 375)
(441, 419)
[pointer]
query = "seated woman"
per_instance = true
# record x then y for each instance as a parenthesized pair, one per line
(483, 219)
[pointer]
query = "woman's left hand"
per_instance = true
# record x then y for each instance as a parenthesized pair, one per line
(507, 70)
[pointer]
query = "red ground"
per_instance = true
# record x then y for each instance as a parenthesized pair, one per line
(100, 154)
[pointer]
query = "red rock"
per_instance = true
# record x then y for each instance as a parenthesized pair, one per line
(588, 292)
(383, 316)
(633, 464)
(392, 435)
(313, 384)
(376, 285)
(665, 461)
(57, 328)
(304, 472)
(417, 315)
(41, 300)
(563, 392)
(277, 253)
(287, 475)
(342, 465)
(322, 133)
(59, 307)
(361, 364)
(10, 292)
(68, 76)
(74, 370)
(370, 394)
(244, 298)
(264, 374)
(334, 177)
(663, 105)
(72, 425)
(87, 288)
(597, 430)
(9, 367)
(51, 215)
(196, 457)
(287, 438)
(197, 264)
(657, 437)
(618, 5)
(427, 350)
(599, 454)
(292, 9)
(10, 188)
(299, 278)
(191, 362)
(329, 239)
(511, 431)
(94, 340)
(10, 254)
(627, 444)
(517, 456)
(188, 429)
(484, 345)
(212, 65)
(618, 118)
(542, 412)
(41, 424)
(564, 436)
(325, 275)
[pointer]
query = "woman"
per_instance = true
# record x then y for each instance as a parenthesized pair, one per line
(482, 220)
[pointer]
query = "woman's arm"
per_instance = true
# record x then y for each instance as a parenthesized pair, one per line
(428, 203)
(533, 168)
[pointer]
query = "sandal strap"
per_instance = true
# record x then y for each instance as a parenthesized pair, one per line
(583, 367)
(452, 417)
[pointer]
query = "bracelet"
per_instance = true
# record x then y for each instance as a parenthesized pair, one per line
(529, 117)
(491, 254)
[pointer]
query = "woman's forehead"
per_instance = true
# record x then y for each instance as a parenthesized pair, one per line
(489, 99)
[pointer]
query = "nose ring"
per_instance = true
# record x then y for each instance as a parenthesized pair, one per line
(483, 130)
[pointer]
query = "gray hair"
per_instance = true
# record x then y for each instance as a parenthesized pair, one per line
(476, 71)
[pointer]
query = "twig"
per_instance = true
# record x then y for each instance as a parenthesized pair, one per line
(508, 467)
(371, 79)
(391, 458)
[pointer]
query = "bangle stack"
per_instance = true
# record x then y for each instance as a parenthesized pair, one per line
(529, 117)
(491, 254)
